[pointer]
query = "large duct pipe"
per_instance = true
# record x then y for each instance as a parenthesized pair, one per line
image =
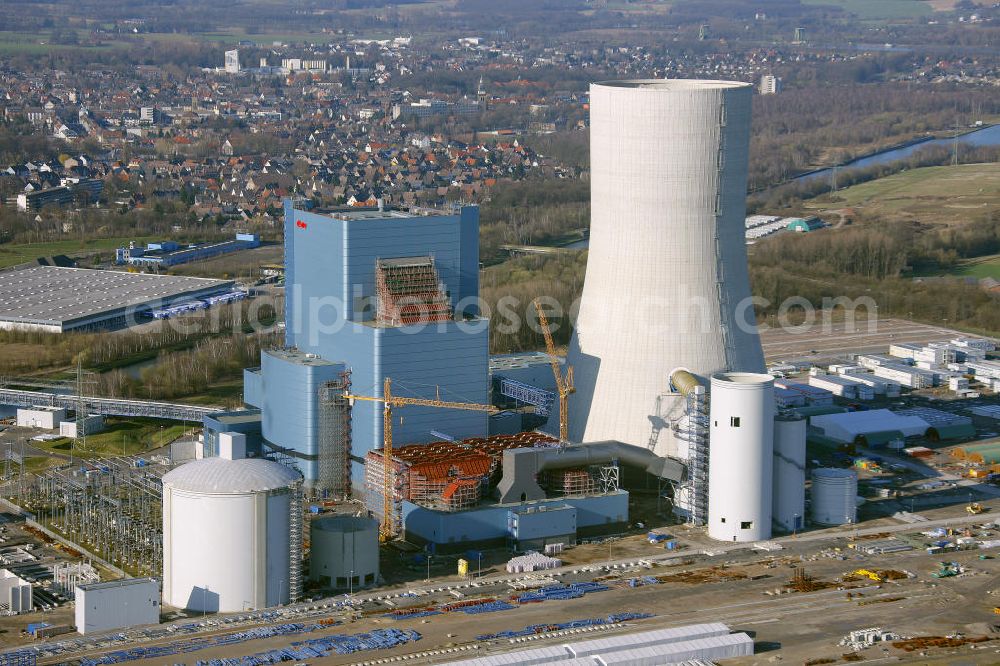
(683, 381)
(522, 466)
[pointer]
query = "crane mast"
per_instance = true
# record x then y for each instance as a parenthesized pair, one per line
(389, 401)
(564, 383)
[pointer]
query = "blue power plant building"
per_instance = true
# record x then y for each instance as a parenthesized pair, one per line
(385, 294)
(372, 294)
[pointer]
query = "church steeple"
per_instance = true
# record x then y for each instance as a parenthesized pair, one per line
(481, 95)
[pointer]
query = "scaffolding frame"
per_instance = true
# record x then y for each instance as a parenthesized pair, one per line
(334, 473)
(445, 476)
(694, 429)
(295, 550)
(410, 292)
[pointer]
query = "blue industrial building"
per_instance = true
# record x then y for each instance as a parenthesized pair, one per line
(522, 525)
(347, 311)
(170, 253)
(244, 421)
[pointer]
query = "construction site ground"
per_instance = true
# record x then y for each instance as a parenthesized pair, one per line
(733, 584)
(827, 341)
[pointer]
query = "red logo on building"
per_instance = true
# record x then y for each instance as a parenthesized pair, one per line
(300, 224)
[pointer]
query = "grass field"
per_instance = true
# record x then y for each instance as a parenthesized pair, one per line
(130, 436)
(11, 255)
(29, 43)
(982, 267)
(945, 195)
(879, 10)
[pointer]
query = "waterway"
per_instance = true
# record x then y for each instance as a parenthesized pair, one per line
(987, 136)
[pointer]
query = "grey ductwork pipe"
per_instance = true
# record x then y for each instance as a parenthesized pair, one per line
(522, 466)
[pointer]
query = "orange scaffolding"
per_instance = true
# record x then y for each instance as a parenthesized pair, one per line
(571, 481)
(446, 476)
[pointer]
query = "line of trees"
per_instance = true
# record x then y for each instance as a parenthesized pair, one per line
(192, 372)
(49, 351)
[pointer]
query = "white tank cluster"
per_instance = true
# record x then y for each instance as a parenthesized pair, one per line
(834, 496)
(343, 552)
(230, 541)
(740, 456)
(667, 283)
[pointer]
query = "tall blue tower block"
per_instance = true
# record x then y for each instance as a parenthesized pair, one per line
(371, 294)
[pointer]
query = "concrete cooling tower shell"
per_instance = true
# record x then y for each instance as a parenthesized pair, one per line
(667, 279)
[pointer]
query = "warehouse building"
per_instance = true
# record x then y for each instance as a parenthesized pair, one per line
(876, 426)
(56, 299)
(168, 253)
(677, 645)
(117, 604)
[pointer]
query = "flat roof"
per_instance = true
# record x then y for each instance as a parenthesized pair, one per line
(299, 357)
(55, 296)
(352, 213)
(111, 584)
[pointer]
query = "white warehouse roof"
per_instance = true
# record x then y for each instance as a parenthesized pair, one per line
(67, 298)
(688, 644)
(848, 426)
(220, 476)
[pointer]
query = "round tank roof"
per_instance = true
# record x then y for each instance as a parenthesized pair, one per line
(673, 85)
(823, 473)
(345, 524)
(749, 379)
(220, 476)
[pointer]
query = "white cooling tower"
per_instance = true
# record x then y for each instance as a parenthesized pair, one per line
(789, 494)
(739, 456)
(667, 279)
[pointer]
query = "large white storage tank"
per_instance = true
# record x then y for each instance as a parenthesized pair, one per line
(667, 283)
(834, 496)
(343, 552)
(740, 466)
(229, 534)
(788, 504)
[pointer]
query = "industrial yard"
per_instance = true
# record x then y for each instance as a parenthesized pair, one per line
(388, 492)
(734, 585)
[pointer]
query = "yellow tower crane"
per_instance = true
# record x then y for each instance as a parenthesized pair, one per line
(389, 401)
(564, 383)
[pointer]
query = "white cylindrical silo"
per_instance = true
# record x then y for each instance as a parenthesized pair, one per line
(667, 283)
(740, 450)
(834, 496)
(789, 477)
(227, 535)
(343, 552)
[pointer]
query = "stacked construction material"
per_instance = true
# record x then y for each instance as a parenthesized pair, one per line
(560, 592)
(532, 561)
